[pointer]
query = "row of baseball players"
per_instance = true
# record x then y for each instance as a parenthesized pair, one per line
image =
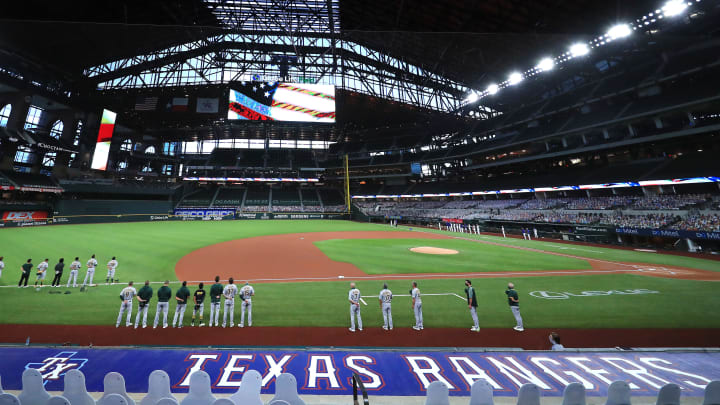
(164, 294)
(386, 296)
(75, 266)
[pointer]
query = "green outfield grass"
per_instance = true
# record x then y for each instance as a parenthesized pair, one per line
(150, 251)
(393, 256)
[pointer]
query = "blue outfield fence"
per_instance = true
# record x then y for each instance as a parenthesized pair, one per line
(402, 373)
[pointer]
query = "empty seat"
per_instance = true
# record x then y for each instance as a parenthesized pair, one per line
(574, 394)
(227, 401)
(529, 394)
(33, 390)
(158, 388)
(9, 399)
(114, 383)
(167, 401)
(286, 391)
(249, 391)
(58, 400)
(437, 394)
(199, 392)
(1, 390)
(712, 393)
(481, 393)
(75, 388)
(618, 393)
(113, 399)
(669, 395)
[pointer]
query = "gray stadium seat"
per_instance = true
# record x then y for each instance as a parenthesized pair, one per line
(226, 401)
(574, 394)
(249, 391)
(9, 399)
(58, 400)
(286, 390)
(33, 390)
(669, 395)
(529, 394)
(437, 394)
(114, 383)
(1, 390)
(75, 389)
(712, 393)
(166, 401)
(113, 399)
(481, 393)
(199, 392)
(158, 388)
(618, 393)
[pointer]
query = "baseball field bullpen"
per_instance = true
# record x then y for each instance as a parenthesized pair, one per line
(301, 272)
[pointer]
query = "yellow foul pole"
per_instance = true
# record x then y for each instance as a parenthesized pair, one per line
(347, 183)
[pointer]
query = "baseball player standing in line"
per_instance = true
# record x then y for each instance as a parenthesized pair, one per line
(41, 271)
(74, 269)
(112, 264)
(181, 297)
(417, 306)
(58, 273)
(229, 292)
(514, 302)
(354, 298)
(385, 299)
(472, 305)
(246, 293)
(91, 264)
(216, 291)
(2, 265)
(164, 293)
(144, 296)
(126, 295)
(26, 268)
(199, 300)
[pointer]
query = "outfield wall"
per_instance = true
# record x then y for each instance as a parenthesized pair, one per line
(384, 372)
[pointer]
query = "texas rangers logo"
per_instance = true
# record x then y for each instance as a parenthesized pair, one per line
(52, 368)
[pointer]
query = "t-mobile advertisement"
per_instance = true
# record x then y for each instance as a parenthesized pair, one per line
(102, 147)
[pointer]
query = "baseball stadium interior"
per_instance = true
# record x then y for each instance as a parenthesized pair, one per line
(558, 154)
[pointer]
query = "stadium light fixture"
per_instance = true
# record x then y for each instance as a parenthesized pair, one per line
(673, 8)
(515, 78)
(545, 65)
(472, 97)
(619, 31)
(492, 89)
(579, 50)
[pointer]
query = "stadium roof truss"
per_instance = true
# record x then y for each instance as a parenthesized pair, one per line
(261, 33)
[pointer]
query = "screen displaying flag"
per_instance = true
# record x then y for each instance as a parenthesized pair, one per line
(146, 103)
(207, 105)
(179, 104)
(277, 101)
(102, 146)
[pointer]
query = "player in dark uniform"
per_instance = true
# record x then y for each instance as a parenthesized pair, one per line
(58, 273)
(181, 297)
(26, 269)
(199, 299)
(144, 296)
(216, 292)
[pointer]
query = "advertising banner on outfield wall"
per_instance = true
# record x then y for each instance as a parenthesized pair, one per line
(404, 373)
(669, 233)
(23, 216)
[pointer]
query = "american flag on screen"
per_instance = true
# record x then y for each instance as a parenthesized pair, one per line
(146, 103)
(283, 102)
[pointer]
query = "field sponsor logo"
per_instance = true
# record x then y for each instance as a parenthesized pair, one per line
(204, 213)
(553, 295)
(54, 367)
(24, 215)
(159, 217)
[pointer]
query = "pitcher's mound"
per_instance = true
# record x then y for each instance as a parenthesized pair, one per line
(434, 250)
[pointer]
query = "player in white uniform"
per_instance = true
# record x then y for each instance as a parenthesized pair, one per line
(229, 292)
(74, 269)
(417, 306)
(2, 265)
(91, 264)
(354, 298)
(112, 264)
(385, 299)
(41, 272)
(126, 295)
(246, 293)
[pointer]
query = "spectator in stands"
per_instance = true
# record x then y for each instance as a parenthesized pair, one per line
(555, 342)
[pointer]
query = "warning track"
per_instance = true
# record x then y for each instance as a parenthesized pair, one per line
(294, 257)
